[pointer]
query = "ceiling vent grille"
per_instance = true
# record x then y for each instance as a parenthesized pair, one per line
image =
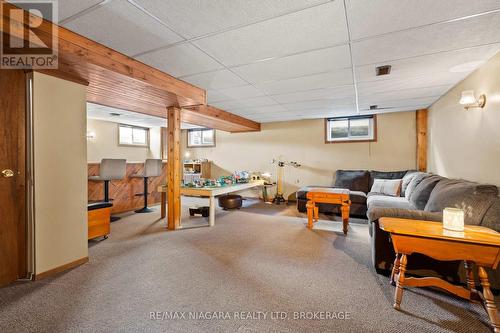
(383, 70)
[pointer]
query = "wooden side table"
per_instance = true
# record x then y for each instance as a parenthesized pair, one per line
(333, 196)
(475, 244)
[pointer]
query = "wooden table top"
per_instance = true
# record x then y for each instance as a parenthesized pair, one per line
(426, 229)
(328, 190)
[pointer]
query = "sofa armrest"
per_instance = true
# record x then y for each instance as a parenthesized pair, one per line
(377, 212)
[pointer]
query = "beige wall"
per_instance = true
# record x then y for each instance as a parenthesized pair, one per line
(466, 144)
(60, 174)
(303, 141)
(105, 144)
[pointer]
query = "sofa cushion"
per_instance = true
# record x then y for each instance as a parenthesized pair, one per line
(492, 217)
(406, 181)
(354, 180)
(376, 213)
(473, 198)
(357, 197)
(386, 175)
(385, 201)
(417, 178)
(420, 195)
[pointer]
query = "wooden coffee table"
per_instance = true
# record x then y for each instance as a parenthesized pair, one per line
(475, 244)
(335, 196)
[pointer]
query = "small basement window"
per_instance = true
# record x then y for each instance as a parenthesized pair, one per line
(351, 129)
(133, 136)
(202, 137)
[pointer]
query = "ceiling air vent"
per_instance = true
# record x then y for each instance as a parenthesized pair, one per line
(383, 70)
(373, 107)
(114, 114)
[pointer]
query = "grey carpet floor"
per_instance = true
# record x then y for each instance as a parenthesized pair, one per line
(259, 259)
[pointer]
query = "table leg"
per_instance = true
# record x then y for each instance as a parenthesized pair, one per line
(344, 209)
(395, 270)
(400, 284)
(471, 284)
(163, 205)
(211, 217)
(489, 300)
(316, 213)
(310, 212)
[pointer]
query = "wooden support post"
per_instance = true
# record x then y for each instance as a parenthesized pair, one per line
(174, 168)
(422, 139)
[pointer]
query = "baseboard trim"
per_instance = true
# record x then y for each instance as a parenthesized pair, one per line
(60, 269)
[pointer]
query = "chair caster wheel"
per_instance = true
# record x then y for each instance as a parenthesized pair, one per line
(105, 236)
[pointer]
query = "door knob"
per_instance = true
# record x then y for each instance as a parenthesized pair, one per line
(7, 173)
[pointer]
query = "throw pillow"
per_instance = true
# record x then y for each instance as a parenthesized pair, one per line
(387, 186)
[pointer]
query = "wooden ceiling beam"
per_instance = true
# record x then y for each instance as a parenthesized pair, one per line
(212, 117)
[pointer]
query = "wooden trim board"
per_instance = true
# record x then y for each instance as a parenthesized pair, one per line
(60, 269)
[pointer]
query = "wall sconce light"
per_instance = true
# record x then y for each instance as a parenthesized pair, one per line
(468, 100)
(90, 135)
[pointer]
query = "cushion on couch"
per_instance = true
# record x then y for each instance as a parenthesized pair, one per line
(416, 179)
(475, 199)
(491, 218)
(406, 181)
(386, 201)
(354, 180)
(420, 195)
(386, 175)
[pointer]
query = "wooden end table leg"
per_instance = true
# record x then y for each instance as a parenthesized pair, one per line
(489, 300)
(316, 213)
(345, 209)
(310, 212)
(400, 284)
(471, 284)
(395, 269)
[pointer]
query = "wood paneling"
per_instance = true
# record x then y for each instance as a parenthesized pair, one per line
(13, 179)
(124, 192)
(174, 168)
(212, 117)
(421, 123)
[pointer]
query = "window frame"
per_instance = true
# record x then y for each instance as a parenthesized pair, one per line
(349, 139)
(146, 129)
(189, 145)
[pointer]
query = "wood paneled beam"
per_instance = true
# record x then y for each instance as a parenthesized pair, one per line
(212, 117)
(174, 168)
(421, 124)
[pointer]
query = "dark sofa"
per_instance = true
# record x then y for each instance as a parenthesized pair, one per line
(423, 196)
(359, 182)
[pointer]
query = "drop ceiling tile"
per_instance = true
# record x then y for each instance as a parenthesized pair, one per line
(312, 62)
(313, 28)
(316, 81)
(364, 16)
(180, 60)
(438, 79)
(461, 60)
(213, 96)
(263, 110)
(364, 103)
(372, 96)
(314, 94)
(216, 15)
(327, 104)
(68, 8)
(245, 103)
(121, 26)
(242, 92)
(215, 80)
(430, 39)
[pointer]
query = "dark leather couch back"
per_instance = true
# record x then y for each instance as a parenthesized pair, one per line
(362, 180)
